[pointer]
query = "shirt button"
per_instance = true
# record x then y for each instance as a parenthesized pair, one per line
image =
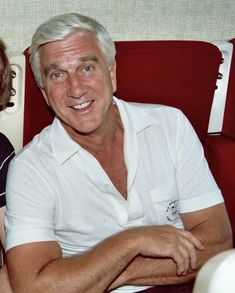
(107, 186)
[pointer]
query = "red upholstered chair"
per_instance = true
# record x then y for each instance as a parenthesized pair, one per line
(229, 117)
(177, 73)
(182, 74)
(221, 148)
(37, 114)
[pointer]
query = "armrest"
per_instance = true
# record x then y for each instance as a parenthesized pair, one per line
(220, 153)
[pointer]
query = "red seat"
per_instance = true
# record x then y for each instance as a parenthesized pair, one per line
(221, 149)
(177, 73)
(229, 117)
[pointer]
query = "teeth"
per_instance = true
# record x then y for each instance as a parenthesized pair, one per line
(83, 105)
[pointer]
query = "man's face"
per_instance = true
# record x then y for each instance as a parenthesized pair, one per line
(78, 84)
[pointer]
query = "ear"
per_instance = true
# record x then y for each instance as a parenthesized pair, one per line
(113, 76)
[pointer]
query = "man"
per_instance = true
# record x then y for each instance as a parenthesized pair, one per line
(87, 199)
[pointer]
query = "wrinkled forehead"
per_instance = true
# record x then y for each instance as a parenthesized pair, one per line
(79, 44)
(76, 38)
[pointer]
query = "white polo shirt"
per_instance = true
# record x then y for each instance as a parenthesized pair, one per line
(56, 190)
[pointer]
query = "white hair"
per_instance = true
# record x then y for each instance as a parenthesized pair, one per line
(58, 28)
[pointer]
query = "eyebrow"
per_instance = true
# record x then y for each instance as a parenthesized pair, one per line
(88, 58)
(49, 68)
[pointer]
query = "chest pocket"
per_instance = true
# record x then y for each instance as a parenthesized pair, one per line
(165, 206)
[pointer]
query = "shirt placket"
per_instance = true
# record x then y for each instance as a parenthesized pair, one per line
(134, 204)
(107, 190)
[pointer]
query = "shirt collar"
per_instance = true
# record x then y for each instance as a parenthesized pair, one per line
(133, 115)
(63, 146)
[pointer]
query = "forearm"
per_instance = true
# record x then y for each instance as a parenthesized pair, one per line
(214, 241)
(2, 230)
(147, 271)
(160, 271)
(156, 271)
(91, 272)
(4, 281)
(111, 260)
(150, 272)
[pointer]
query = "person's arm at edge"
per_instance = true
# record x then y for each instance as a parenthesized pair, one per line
(4, 280)
(210, 225)
(2, 231)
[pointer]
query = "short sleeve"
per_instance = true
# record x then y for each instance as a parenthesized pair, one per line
(30, 207)
(196, 184)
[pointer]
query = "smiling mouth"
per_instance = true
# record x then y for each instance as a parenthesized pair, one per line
(82, 105)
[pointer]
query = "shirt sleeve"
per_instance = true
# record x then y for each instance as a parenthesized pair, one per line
(197, 187)
(30, 206)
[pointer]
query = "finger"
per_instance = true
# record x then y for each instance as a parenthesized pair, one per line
(181, 256)
(178, 259)
(185, 258)
(191, 253)
(197, 243)
(191, 243)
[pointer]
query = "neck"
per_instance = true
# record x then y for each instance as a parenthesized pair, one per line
(104, 137)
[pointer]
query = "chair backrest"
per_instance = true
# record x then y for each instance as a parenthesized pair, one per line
(37, 114)
(182, 74)
(229, 117)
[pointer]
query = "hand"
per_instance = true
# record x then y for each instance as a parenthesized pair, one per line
(168, 241)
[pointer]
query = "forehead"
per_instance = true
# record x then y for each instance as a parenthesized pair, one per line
(78, 44)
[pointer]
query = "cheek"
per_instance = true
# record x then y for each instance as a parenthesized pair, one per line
(52, 97)
(102, 81)
(55, 91)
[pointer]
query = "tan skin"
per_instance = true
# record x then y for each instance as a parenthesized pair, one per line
(4, 280)
(143, 271)
(78, 85)
(2, 232)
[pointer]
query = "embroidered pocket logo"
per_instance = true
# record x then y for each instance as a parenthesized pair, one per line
(172, 211)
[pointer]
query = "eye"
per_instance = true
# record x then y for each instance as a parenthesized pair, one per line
(88, 68)
(57, 75)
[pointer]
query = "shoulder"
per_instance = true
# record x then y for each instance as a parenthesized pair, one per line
(5, 143)
(157, 109)
(7, 148)
(152, 109)
(159, 114)
(30, 157)
(31, 154)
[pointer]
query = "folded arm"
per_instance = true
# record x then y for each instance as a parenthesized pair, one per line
(96, 270)
(210, 225)
(39, 267)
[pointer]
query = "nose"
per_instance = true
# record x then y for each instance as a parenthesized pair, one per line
(75, 86)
